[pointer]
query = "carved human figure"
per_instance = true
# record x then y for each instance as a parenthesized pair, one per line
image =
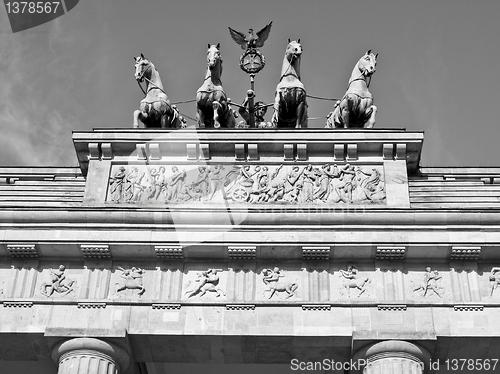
(160, 182)
(494, 279)
(175, 185)
(117, 181)
(215, 173)
(430, 283)
(132, 280)
(368, 182)
(152, 183)
(138, 187)
(347, 177)
(202, 182)
(353, 280)
(309, 178)
(206, 281)
(293, 185)
(58, 283)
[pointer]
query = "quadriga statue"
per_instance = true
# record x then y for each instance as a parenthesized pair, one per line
(155, 109)
(356, 108)
(290, 106)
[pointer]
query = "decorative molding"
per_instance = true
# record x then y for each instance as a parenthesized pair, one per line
(288, 152)
(154, 151)
(317, 307)
(388, 151)
(352, 152)
(17, 304)
(95, 251)
(192, 151)
(315, 253)
(107, 151)
(392, 307)
(204, 151)
(91, 305)
(400, 151)
(169, 252)
(253, 152)
(240, 307)
(166, 306)
(242, 253)
(141, 151)
(301, 152)
(339, 152)
(465, 253)
(239, 152)
(390, 253)
(468, 308)
(22, 250)
(93, 151)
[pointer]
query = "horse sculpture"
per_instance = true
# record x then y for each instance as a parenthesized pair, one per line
(356, 108)
(155, 109)
(213, 109)
(271, 280)
(290, 106)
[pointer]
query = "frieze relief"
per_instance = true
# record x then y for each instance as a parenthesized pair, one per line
(352, 282)
(429, 283)
(251, 184)
(279, 283)
(265, 282)
(204, 283)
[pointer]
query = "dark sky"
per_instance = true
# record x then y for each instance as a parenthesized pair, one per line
(436, 69)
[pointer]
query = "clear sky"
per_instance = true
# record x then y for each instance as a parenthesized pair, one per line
(437, 67)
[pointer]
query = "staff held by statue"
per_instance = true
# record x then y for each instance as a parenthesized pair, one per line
(251, 61)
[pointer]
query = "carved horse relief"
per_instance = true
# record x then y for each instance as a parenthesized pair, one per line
(213, 109)
(290, 106)
(356, 108)
(155, 109)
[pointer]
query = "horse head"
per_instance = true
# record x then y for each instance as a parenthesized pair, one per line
(293, 50)
(143, 68)
(214, 58)
(368, 63)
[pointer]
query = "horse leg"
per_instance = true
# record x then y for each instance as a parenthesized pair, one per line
(371, 121)
(344, 113)
(301, 115)
(139, 116)
(200, 118)
(216, 106)
(276, 107)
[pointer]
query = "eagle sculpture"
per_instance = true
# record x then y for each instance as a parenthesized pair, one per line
(251, 41)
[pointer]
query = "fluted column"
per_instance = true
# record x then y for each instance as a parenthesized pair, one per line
(393, 357)
(90, 356)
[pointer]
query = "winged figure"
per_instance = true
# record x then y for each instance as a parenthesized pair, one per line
(251, 40)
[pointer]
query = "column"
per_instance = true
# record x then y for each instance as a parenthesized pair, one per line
(90, 356)
(393, 357)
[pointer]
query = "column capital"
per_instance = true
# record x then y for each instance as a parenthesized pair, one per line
(390, 350)
(77, 346)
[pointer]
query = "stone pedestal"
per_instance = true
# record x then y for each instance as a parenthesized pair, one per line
(90, 356)
(394, 357)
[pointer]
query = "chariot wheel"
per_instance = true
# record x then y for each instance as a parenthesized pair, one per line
(240, 194)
